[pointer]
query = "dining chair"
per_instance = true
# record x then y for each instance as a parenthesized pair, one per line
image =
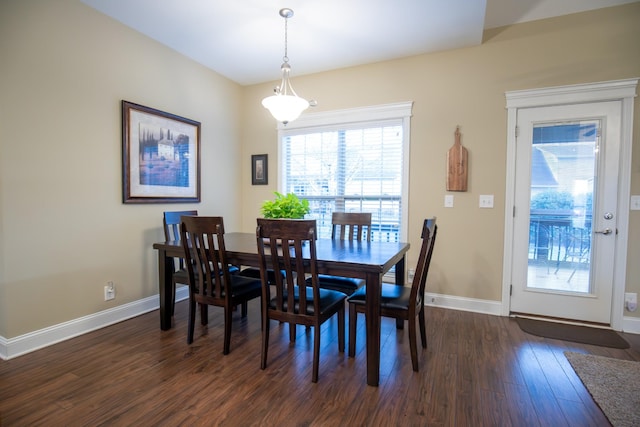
(171, 222)
(210, 281)
(171, 225)
(351, 226)
(292, 248)
(398, 301)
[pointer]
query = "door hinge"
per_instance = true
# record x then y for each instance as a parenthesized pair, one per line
(514, 212)
(517, 131)
(510, 290)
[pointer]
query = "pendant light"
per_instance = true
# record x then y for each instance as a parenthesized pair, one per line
(285, 105)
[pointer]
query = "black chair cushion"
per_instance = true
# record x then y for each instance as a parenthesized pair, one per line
(243, 286)
(347, 285)
(393, 296)
(328, 299)
(182, 276)
(255, 273)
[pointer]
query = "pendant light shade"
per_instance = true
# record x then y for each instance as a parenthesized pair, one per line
(285, 108)
(285, 105)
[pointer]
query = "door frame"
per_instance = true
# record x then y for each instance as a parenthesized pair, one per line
(616, 90)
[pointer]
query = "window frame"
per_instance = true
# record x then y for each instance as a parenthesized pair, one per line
(349, 117)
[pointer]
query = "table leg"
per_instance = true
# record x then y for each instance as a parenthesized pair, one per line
(372, 319)
(165, 271)
(400, 278)
(372, 314)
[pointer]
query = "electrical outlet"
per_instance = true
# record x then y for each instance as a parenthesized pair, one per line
(109, 291)
(635, 203)
(631, 301)
(486, 200)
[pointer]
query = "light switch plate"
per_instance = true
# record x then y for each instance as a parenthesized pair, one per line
(634, 204)
(486, 200)
(448, 200)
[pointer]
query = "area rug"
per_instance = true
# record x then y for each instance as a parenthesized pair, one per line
(613, 384)
(581, 334)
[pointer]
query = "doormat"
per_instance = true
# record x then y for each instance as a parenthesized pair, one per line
(581, 334)
(613, 384)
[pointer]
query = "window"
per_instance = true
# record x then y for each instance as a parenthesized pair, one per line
(350, 161)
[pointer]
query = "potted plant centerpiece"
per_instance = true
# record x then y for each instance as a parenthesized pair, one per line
(285, 206)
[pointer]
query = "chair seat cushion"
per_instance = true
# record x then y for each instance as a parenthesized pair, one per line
(255, 273)
(393, 296)
(347, 285)
(243, 286)
(328, 299)
(182, 275)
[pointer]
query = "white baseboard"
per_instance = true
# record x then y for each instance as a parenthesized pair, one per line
(631, 325)
(14, 347)
(23, 344)
(464, 304)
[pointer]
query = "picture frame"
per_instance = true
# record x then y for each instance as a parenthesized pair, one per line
(259, 169)
(160, 156)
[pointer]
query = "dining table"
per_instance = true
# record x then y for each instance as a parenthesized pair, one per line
(358, 259)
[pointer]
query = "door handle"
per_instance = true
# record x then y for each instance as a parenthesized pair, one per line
(605, 231)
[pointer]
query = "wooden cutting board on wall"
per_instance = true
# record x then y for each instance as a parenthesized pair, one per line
(457, 165)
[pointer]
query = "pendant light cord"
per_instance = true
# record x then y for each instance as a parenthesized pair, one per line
(285, 58)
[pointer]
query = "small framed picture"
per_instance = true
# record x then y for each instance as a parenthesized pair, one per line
(259, 169)
(160, 156)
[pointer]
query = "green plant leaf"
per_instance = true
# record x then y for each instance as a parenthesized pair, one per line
(285, 206)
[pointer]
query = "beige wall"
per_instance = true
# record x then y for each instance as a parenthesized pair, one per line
(467, 87)
(64, 230)
(65, 68)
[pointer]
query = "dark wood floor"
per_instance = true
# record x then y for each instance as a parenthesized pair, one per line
(479, 370)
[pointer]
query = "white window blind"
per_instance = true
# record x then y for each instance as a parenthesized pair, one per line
(356, 166)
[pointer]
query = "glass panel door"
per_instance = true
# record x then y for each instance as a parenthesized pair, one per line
(565, 215)
(563, 166)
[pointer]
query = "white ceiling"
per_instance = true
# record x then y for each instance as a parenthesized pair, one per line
(244, 39)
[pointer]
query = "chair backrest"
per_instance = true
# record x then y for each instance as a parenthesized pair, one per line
(206, 257)
(292, 249)
(171, 222)
(351, 225)
(429, 232)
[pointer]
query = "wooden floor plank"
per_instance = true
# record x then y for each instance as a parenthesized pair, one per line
(477, 370)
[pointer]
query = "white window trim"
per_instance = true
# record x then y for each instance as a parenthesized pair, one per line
(401, 110)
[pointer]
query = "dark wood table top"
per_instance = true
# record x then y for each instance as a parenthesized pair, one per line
(347, 258)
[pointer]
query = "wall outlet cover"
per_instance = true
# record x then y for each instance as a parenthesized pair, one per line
(486, 200)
